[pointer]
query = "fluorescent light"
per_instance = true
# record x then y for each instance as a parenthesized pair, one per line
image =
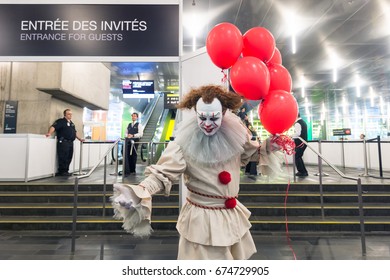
(335, 74)
(357, 83)
(372, 97)
(293, 44)
(303, 83)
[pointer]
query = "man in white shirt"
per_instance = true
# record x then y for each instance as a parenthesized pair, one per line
(300, 128)
(135, 131)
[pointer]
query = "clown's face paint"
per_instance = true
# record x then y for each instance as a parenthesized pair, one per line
(209, 116)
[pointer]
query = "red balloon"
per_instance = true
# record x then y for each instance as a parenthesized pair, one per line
(224, 44)
(278, 112)
(258, 42)
(280, 78)
(249, 77)
(276, 58)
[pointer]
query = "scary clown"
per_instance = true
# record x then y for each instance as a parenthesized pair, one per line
(209, 149)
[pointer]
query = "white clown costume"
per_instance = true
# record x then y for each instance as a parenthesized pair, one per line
(212, 224)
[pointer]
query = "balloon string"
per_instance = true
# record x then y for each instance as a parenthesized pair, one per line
(224, 78)
(284, 142)
(285, 212)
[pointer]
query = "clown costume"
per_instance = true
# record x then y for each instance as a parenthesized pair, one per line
(209, 149)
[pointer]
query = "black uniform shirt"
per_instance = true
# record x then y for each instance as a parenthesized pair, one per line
(64, 129)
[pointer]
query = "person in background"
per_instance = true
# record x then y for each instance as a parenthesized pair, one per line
(251, 167)
(66, 134)
(246, 121)
(300, 130)
(242, 113)
(135, 131)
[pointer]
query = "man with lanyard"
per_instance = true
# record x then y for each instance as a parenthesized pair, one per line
(66, 134)
(134, 133)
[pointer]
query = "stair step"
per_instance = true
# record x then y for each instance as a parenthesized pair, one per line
(50, 207)
(173, 219)
(175, 205)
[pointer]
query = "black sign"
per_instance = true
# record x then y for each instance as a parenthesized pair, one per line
(10, 116)
(89, 30)
(170, 100)
(341, 131)
(138, 88)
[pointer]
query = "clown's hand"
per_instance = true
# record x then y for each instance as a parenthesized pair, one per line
(132, 205)
(125, 197)
(271, 144)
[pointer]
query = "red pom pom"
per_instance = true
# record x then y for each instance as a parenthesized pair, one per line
(224, 177)
(230, 203)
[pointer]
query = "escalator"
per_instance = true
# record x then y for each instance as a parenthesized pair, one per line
(158, 126)
(152, 120)
(152, 124)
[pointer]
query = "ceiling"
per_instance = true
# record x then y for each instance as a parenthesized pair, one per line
(357, 31)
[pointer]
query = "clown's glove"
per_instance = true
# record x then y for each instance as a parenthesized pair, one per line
(125, 197)
(271, 145)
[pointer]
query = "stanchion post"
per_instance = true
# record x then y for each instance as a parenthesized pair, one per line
(380, 157)
(117, 157)
(365, 174)
(320, 180)
(80, 161)
(124, 157)
(104, 186)
(342, 152)
(74, 214)
(295, 176)
(149, 154)
(361, 216)
(320, 160)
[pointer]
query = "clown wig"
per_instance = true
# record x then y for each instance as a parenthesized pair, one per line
(228, 99)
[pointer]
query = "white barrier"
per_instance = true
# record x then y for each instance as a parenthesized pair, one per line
(349, 154)
(26, 157)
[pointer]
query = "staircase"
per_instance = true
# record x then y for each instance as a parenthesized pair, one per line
(49, 207)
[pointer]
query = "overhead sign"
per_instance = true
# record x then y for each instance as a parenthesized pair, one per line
(341, 131)
(171, 100)
(89, 30)
(10, 116)
(138, 88)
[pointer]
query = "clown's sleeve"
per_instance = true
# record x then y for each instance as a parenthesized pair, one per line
(133, 203)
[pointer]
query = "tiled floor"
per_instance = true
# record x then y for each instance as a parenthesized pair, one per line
(56, 245)
(45, 245)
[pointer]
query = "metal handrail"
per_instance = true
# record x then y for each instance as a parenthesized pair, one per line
(153, 144)
(359, 190)
(76, 187)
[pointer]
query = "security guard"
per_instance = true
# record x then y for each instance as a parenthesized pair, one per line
(66, 134)
(135, 131)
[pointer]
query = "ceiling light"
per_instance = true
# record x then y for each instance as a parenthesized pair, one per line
(372, 96)
(303, 84)
(357, 83)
